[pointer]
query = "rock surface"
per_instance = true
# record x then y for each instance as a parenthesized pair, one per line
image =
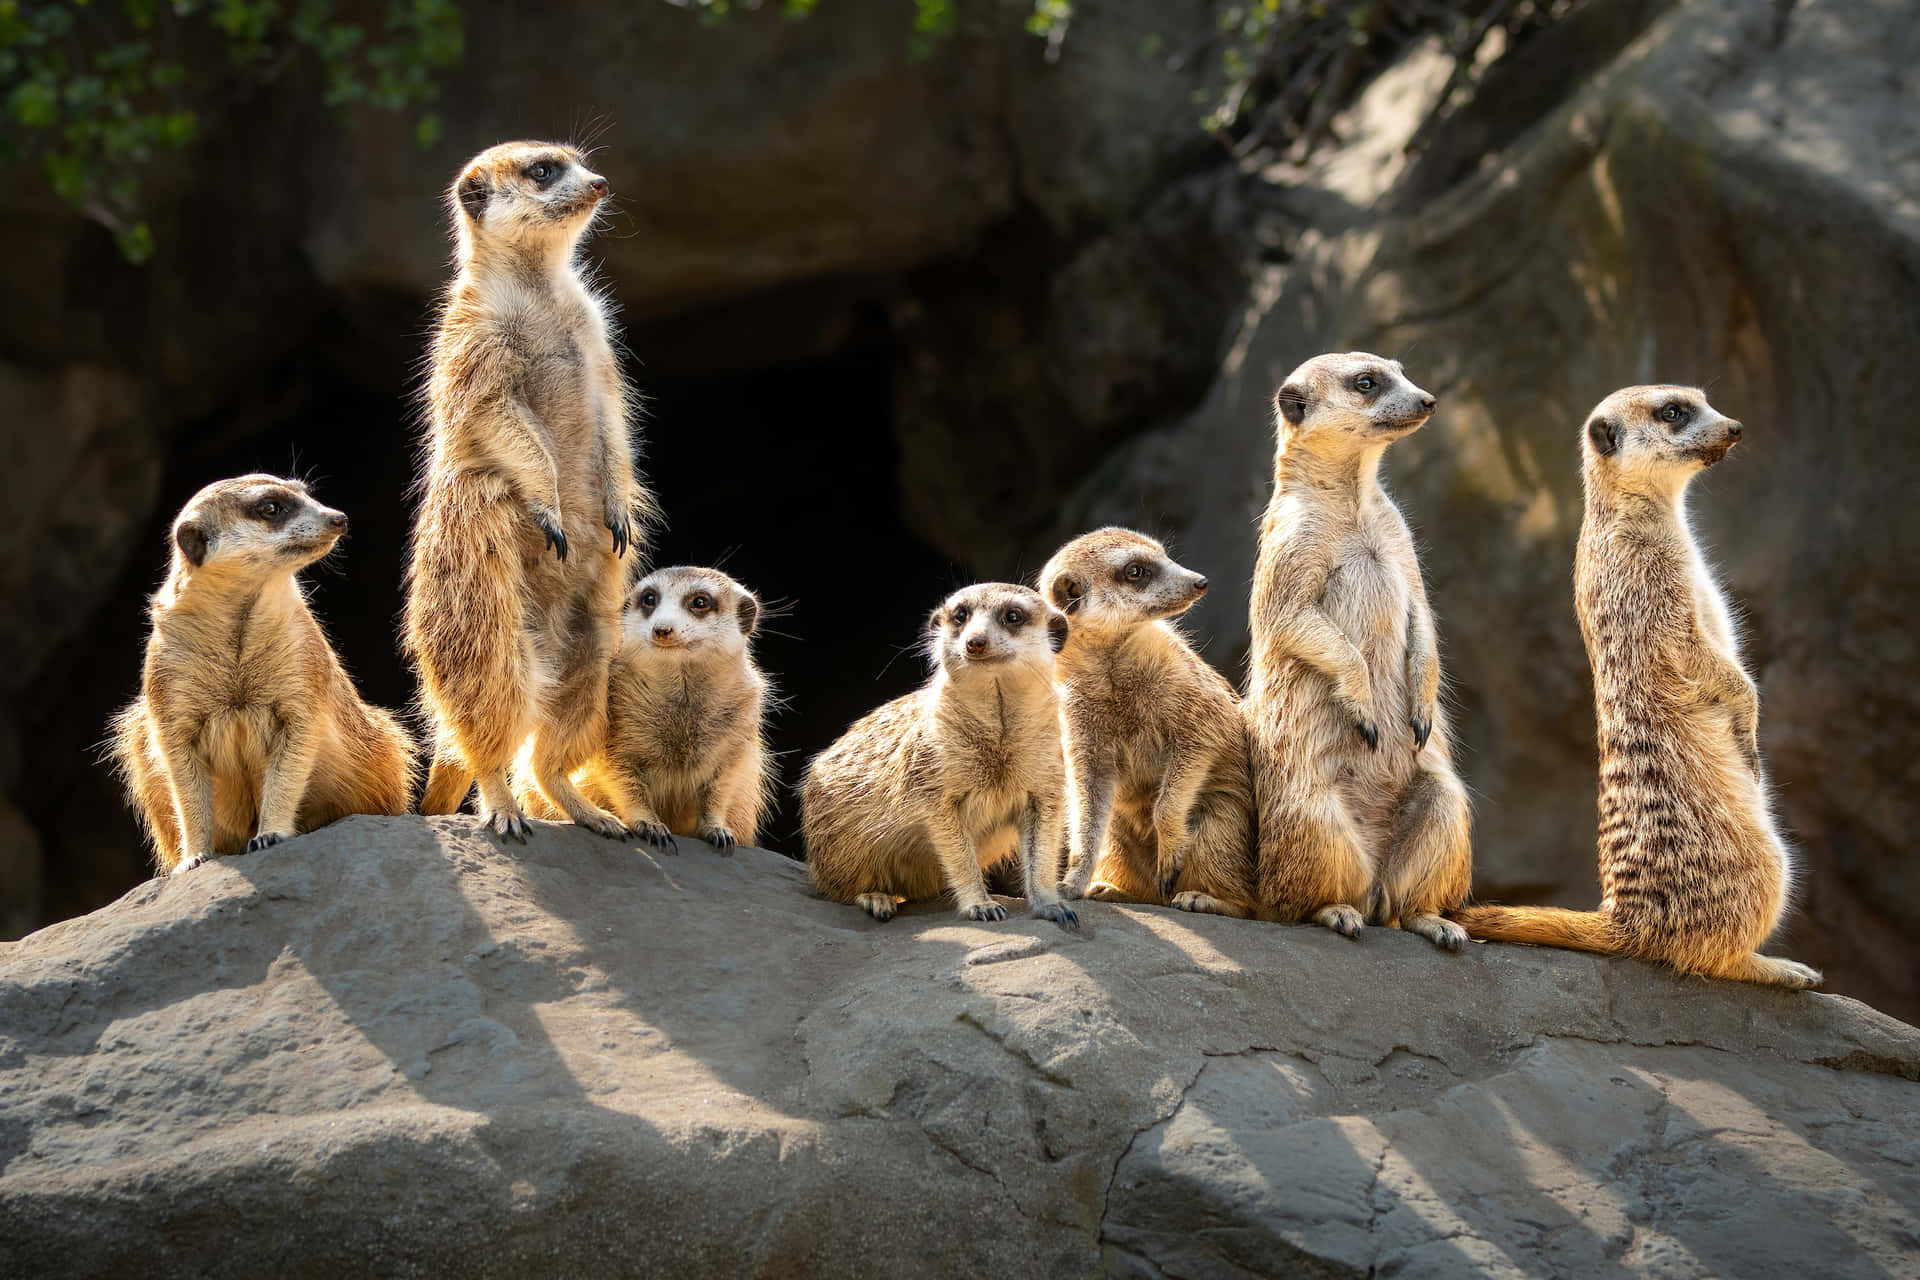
(395, 1046)
(1723, 194)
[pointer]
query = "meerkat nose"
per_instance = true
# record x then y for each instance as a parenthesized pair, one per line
(338, 520)
(663, 633)
(976, 646)
(1427, 403)
(599, 186)
(1200, 585)
(1734, 429)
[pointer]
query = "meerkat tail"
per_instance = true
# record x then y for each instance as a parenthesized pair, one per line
(1541, 927)
(448, 781)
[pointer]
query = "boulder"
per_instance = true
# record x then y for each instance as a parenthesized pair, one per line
(397, 1046)
(1654, 192)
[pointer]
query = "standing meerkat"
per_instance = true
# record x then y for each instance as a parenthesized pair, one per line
(684, 753)
(528, 499)
(1352, 765)
(1159, 790)
(1693, 872)
(924, 794)
(247, 729)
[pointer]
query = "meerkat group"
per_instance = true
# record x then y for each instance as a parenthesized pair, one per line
(1068, 733)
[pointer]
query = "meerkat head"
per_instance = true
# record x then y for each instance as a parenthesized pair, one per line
(530, 195)
(1659, 436)
(1349, 402)
(992, 625)
(691, 613)
(253, 526)
(1116, 579)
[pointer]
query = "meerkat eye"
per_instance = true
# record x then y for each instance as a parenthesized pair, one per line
(267, 510)
(1364, 382)
(960, 616)
(540, 172)
(1014, 618)
(649, 598)
(1672, 413)
(700, 602)
(1136, 571)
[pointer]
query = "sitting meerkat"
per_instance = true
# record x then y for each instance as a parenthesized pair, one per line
(684, 753)
(1693, 871)
(1352, 760)
(922, 795)
(247, 729)
(1158, 783)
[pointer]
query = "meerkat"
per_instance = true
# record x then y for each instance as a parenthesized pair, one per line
(1159, 788)
(1358, 802)
(247, 729)
(922, 795)
(528, 500)
(1693, 871)
(684, 753)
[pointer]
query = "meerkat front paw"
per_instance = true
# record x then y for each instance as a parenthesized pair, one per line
(987, 911)
(189, 862)
(1102, 891)
(621, 526)
(602, 824)
(1444, 934)
(880, 906)
(547, 520)
(1340, 918)
(720, 837)
(266, 840)
(656, 834)
(1422, 720)
(1058, 912)
(508, 824)
(1365, 724)
(1170, 875)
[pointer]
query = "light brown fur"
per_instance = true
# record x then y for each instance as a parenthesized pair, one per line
(685, 753)
(528, 500)
(247, 729)
(922, 795)
(1358, 802)
(1693, 872)
(1160, 795)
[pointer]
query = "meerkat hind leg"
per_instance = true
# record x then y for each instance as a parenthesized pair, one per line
(1313, 839)
(1772, 971)
(572, 727)
(1430, 866)
(1207, 904)
(881, 906)
(499, 811)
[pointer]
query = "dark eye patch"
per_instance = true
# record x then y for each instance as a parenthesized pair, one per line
(649, 600)
(546, 171)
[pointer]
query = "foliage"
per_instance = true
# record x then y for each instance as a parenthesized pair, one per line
(92, 92)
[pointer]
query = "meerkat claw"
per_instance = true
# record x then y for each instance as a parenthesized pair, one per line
(657, 835)
(1340, 918)
(556, 536)
(986, 911)
(1422, 730)
(880, 906)
(1368, 734)
(721, 838)
(265, 840)
(1060, 913)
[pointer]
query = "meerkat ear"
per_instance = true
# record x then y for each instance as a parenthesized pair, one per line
(1066, 592)
(1292, 400)
(1604, 433)
(1057, 628)
(749, 611)
(191, 537)
(473, 192)
(936, 620)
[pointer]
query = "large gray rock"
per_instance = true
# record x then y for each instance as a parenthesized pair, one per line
(1733, 200)
(394, 1046)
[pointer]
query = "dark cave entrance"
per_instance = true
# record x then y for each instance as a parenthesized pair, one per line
(784, 477)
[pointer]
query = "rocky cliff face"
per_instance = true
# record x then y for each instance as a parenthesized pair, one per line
(396, 1046)
(934, 316)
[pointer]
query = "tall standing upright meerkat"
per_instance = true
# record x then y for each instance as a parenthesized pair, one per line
(685, 707)
(528, 500)
(1352, 765)
(924, 794)
(247, 729)
(1693, 871)
(1159, 790)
